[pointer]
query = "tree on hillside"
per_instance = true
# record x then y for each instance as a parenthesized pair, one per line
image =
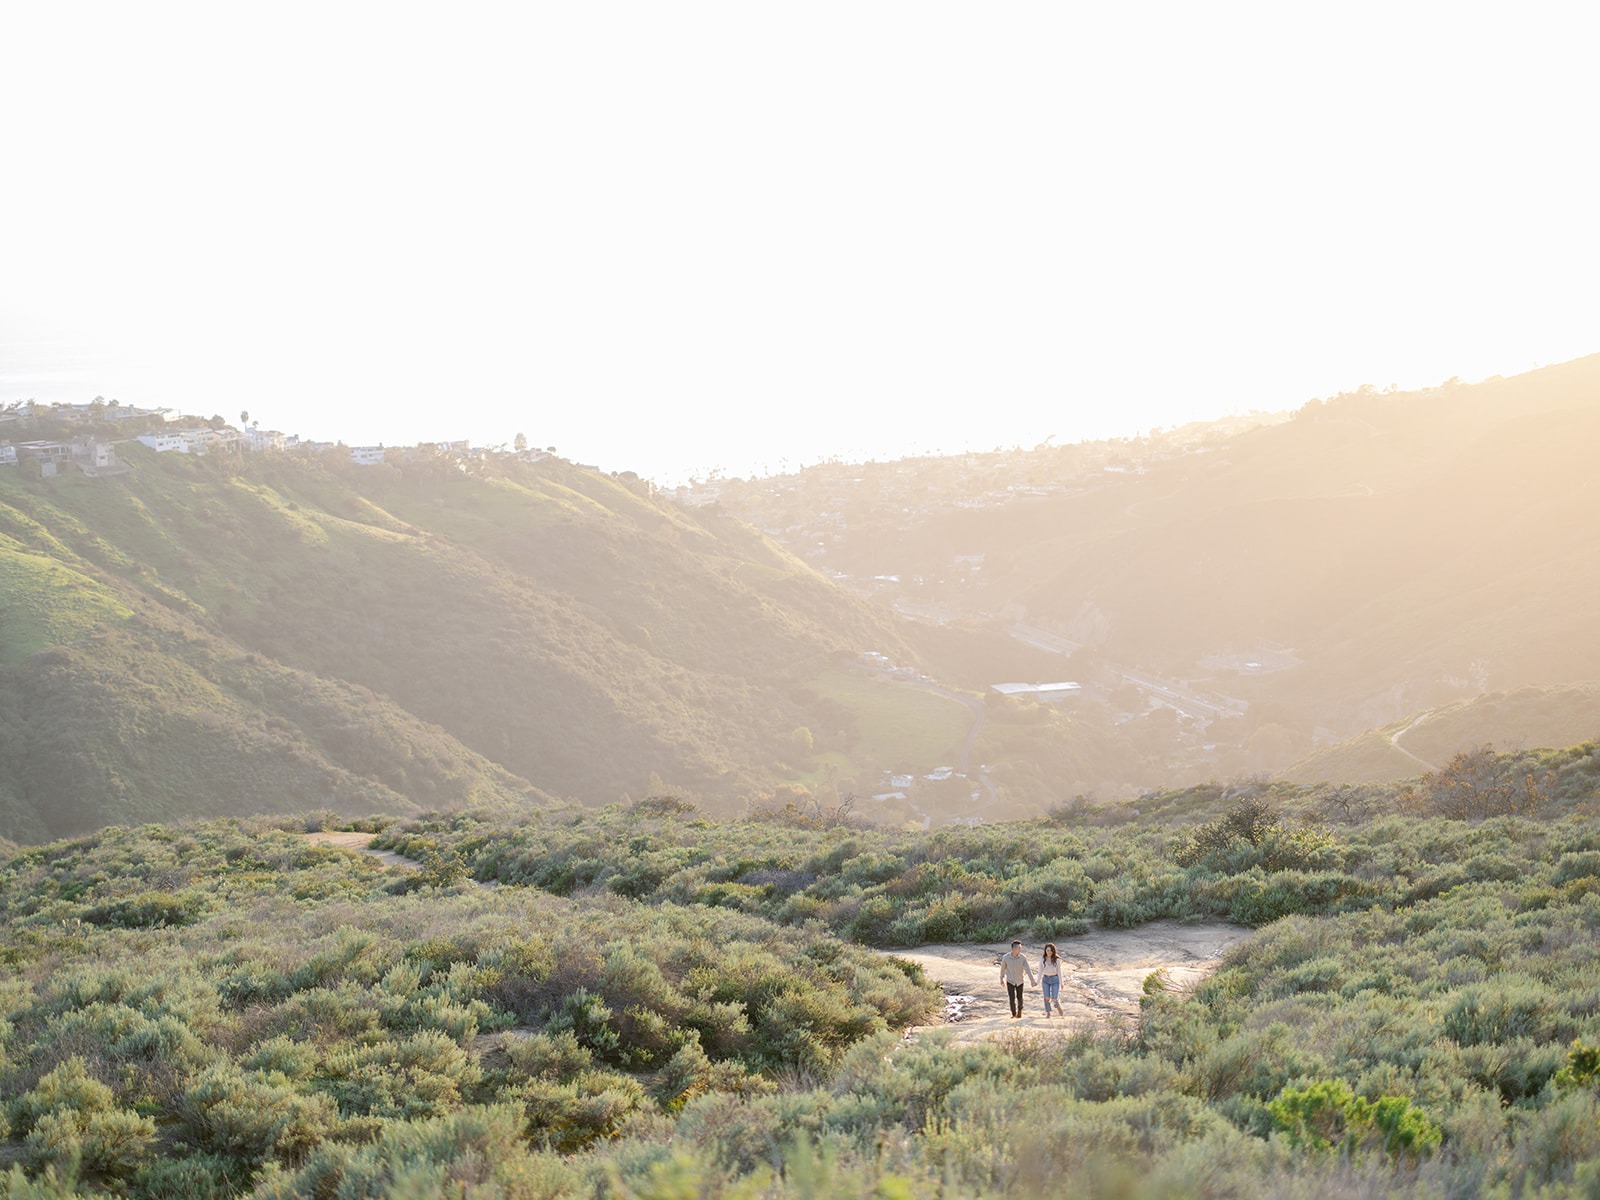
(520, 442)
(1476, 784)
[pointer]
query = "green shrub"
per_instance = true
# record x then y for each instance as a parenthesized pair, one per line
(1047, 929)
(147, 910)
(70, 1117)
(556, 1056)
(51, 1185)
(195, 1177)
(423, 1075)
(282, 1056)
(1499, 1013)
(1516, 1068)
(588, 1018)
(117, 1031)
(1582, 1068)
(253, 1116)
(593, 1105)
(1256, 1062)
(1327, 1115)
(477, 1152)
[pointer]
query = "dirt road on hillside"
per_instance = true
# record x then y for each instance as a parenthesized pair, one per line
(1103, 974)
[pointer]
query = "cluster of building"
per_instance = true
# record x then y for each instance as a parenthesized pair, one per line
(90, 455)
(96, 410)
(98, 455)
(205, 439)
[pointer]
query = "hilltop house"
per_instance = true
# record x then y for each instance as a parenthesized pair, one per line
(366, 456)
(161, 443)
(90, 455)
(48, 455)
(93, 454)
(203, 441)
(259, 440)
(192, 441)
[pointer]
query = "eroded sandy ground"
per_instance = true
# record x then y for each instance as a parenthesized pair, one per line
(359, 841)
(1102, 978)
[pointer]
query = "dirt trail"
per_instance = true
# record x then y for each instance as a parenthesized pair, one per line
(360, 842)
(1394, 740)
(1102, 977)
(1103, 972)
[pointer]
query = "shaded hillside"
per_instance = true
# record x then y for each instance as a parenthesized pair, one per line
(1389, 540)
(1472, 565)
(234, 634)
(151, 718)
(1375, 555)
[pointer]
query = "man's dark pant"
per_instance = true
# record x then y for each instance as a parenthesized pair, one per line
(1014, 994)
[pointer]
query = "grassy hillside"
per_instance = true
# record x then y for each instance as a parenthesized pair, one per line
(1521, 719)
(654, 1003)
(46, 603)
(260, 633)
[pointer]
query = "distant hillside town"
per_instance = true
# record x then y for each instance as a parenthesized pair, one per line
(108, 424)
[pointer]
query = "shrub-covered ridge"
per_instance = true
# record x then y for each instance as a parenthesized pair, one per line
(227, 1010)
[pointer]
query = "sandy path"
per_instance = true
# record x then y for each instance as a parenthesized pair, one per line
(1103, 974)
(359, 841)
(1394, 739)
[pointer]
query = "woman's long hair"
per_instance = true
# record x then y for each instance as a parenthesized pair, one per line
(1049, 954)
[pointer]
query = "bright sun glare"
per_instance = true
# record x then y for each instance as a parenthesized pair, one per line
(675, 237)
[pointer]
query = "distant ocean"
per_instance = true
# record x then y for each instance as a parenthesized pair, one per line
(46, 369)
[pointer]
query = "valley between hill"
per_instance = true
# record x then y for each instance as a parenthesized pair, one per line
(241, 633)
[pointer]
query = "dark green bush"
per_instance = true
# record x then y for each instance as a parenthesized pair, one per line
(147, 910)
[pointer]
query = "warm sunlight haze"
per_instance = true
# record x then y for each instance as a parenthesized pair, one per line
(752, 601)
(676, 238)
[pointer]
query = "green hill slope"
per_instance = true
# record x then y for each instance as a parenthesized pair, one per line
(268, 633)
(154, 721)
(47, 604)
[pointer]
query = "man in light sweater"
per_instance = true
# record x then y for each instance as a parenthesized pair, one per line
(1013, 968)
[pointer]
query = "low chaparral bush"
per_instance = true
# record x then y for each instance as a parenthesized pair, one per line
(1416, 1013)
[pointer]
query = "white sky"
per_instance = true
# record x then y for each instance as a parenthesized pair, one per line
(674, 236)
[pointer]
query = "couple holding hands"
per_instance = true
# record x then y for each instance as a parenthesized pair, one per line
(1014, 967)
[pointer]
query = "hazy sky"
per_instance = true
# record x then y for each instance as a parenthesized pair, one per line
(673, 236)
